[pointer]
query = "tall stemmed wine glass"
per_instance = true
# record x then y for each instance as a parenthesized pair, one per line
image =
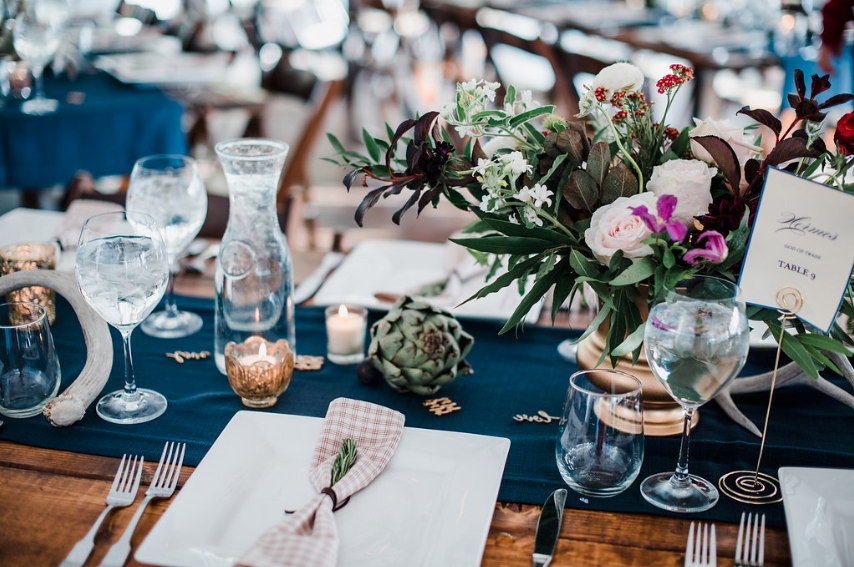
(122, 271)
(696, 342)
(169, 188)
(36, 36)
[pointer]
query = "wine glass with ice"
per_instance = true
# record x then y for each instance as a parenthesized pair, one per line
(122, 270)
(36, 36)
(170, 189)
(696, 342)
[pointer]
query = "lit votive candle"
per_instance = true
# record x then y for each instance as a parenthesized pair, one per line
(29, 256)
(259, 371)
(345, 333)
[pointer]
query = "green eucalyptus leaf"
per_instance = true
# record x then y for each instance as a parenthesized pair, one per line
(506, 244)
(534, 134)
(524, 117)
(538, 290)
(632, 342)
(636, 273)
(371, 145)
(823, 342)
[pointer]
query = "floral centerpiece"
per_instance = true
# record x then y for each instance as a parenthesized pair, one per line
(615, 199)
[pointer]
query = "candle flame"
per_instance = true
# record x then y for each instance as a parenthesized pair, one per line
(262, 351)
(342, 310)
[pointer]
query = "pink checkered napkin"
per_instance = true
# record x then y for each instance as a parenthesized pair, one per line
(309, 537)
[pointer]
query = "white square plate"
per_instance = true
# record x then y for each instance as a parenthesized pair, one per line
(819, 507)
(403, 266)
(432, 505)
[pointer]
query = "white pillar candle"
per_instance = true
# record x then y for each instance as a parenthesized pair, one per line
(345, 333)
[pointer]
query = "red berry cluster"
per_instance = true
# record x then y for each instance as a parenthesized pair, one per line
(681, 74)
(671, 133)
(599, 93)
(617, 98)
(620, 116)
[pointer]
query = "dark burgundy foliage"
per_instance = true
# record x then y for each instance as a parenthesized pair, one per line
(426, 156)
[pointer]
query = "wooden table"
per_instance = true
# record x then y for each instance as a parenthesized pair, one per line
(49, 500)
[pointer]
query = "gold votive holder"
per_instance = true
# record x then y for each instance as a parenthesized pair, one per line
(29, 256)
(258, 370)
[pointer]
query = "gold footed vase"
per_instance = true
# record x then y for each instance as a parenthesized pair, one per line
(662, 416)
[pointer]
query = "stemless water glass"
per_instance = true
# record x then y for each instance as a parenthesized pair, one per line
(169, 188)
(696, 342)
(600, 443)
(29, 368)
(122, 271)
(36, 36)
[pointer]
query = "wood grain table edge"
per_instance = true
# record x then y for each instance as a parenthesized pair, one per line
(588, 538)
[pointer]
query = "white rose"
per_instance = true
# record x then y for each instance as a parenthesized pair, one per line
(688, 180)
(727, 131)
(614, 227)
(619, 77)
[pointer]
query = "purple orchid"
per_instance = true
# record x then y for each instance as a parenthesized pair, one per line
(715, 248)
(665, 205)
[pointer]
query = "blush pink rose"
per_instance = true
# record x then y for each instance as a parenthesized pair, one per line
(615, 227)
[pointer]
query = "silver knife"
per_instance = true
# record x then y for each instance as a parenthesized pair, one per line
(548, 528)
(312, 283)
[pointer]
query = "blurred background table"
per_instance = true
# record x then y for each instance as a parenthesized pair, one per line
(102, 126)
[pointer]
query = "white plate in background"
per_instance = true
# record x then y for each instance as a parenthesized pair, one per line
(819, 507)
(402, 266)
(431, 506)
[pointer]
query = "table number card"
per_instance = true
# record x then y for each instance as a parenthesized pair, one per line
(801, 248)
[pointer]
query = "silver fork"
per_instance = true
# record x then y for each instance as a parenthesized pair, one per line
(704, 552)
(752, 554)
(162, 486)
(121, 494)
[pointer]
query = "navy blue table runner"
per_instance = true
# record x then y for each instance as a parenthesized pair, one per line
(513, 375)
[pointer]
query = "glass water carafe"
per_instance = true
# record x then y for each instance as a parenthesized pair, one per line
(254, 270)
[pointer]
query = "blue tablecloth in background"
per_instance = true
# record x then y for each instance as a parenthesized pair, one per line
(112, 126)
(512, 375)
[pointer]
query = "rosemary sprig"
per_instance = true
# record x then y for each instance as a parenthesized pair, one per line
(343, 460)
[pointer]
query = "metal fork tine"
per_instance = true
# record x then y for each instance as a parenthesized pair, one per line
(690, 547)
(154, 481)
(738, 548)
(754, 539)
(699, 557)
(176, 470)
(713, 549)
(139, 463)
(121, 474)
(762, 543)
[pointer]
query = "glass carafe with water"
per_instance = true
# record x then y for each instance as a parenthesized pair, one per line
(254, 269)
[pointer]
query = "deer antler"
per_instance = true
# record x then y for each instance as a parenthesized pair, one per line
(787, 375)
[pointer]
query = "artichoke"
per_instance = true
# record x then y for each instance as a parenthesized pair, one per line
(418, 347)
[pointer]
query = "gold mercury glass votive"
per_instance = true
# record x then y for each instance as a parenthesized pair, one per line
(259, 371)
(29, 256)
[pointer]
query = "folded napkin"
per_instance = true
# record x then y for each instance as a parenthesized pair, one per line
(77, 214)
(310, 535)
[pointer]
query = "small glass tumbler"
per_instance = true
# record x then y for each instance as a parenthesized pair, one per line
(30, 256)
(345, 333)
(29, 367)
(600, 443)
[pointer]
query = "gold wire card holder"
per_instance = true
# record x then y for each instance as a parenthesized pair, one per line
(754, 487)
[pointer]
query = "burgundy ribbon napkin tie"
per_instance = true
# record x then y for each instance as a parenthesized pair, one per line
(309, 536)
